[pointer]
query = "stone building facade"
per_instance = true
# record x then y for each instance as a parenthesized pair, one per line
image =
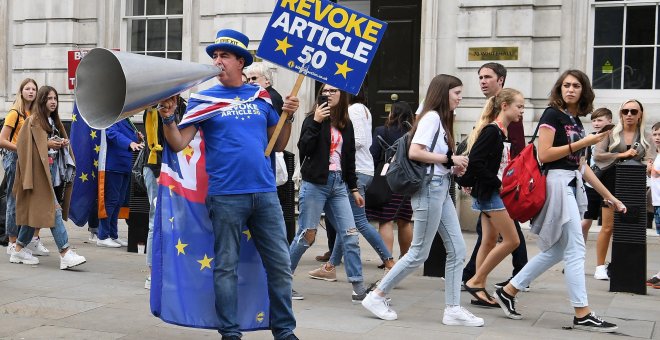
(549, 36)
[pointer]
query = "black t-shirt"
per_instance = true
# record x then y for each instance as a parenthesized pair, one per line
(566, 128)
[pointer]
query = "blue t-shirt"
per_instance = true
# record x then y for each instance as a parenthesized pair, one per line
(235, 141)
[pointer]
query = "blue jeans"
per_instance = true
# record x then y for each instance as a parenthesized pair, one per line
(433, 211)
(116, 185)
(9, 165)
(334, 197)
(569, 248)
(364, 227)
(152, 192)
(263, 214)
(656, 215)
(58, 231)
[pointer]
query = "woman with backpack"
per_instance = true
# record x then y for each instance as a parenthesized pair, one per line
(561, 149)
(397, 207)
(489, 150)
(433, 143)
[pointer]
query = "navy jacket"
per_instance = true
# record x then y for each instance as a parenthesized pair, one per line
(119, 157)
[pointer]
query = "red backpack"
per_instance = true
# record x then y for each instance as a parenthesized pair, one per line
(523, 184)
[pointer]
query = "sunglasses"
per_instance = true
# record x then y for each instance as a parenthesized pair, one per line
(253, 78)
(633, 112)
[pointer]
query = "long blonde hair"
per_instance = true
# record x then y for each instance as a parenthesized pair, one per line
(490, 112)
(641, 127)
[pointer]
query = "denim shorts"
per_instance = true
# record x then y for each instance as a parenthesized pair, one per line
(494, 203)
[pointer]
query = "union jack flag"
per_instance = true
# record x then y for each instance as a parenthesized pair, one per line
(201, 107)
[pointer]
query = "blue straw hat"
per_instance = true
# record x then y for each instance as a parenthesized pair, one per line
(232, 41)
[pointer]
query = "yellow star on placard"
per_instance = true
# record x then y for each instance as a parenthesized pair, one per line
(188, 151)
(96, 163)
(97, 148)
(92, 134)
(205, 262)
(74, 118)
(248, 234)
(282, 45)
(343, 68)
(180, 247)
(83, 177)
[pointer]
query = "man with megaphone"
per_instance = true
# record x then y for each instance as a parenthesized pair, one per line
(237, 121)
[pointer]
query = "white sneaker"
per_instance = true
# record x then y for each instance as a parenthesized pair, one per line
(93, 237)
(108, 242)
(378, 306)
(23, 256)
(120, 242)
(37, 247)
(459, 316)
(147, 283)
(71, 259)
(11, 248)
(601, 273)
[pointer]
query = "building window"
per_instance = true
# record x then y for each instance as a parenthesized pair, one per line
(155, 27)
(626, 45)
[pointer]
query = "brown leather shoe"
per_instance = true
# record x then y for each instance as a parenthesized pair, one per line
(323, 258)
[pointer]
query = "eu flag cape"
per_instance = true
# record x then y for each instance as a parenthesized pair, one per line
(182, 290)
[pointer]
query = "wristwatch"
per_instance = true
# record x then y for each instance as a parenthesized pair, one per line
(291, 118)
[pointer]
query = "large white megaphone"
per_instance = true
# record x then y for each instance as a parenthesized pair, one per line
(113, 85)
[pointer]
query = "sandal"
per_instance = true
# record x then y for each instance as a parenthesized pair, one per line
(484, 303)
(474, 291)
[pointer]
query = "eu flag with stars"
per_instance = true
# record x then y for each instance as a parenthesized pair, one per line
(182, 290)
(85, 143)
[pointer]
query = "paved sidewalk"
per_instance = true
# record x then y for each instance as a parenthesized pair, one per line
(105, 299)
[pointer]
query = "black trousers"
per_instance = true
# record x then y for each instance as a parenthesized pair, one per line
(519, 255)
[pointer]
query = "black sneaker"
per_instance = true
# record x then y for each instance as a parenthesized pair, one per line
(506, 282)
(357, 298)
(296, 296)
(231, 337)
(507, 303)
(291, 337)
(593, 323)
(652, 281)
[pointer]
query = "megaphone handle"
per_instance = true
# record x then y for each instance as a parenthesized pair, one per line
(283, 117)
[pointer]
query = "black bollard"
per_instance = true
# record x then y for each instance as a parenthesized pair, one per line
(627, 270)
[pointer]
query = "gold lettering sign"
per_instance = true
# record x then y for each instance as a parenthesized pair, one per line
(492, 53)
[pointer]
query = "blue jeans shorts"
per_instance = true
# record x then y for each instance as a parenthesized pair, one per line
(494, 203)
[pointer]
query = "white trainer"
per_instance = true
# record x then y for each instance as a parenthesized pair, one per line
(601, 273)
(108, 242)
(37, 247)
(120, 242)
(23, 256)
(71, 259)
(93, 237)
(459, 316)
(11, 248)
(379, 306)
(147, 283)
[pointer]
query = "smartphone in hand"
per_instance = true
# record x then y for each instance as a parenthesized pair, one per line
(322, 99)
(606, 128)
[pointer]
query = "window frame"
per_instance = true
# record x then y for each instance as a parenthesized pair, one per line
(622, 94)
(125, 41)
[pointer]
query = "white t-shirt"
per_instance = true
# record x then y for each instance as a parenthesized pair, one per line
(655, 182)
(426, 130)
(361, 119)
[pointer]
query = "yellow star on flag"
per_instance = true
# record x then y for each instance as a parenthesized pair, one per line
(92, 134)
(180, 247)
(172, 219)
(97, 148)
(171, 187)
(83, 177)
(248, 234)
(205, 262)
(96, 163)
(282, 45)
(93, 175)
(74, 118)
(188, 151)
(343, 68)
